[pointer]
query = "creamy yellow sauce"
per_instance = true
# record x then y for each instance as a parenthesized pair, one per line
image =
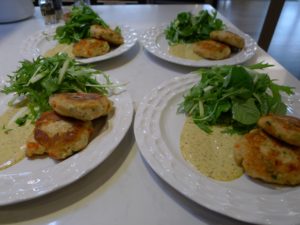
(12, 138)
(211, 154)
(184, 51)
(60, 48)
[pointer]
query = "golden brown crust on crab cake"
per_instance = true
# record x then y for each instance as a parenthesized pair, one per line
(228, 37)
(82, 106)
(33, 148)
(210, 49)
(62, 136)
(106, 34)
(285, 128)
(268, 158)
(90, 47)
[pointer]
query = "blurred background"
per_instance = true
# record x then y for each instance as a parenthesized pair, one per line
(250, 16)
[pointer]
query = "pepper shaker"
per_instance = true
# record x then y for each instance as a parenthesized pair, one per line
(57, 4)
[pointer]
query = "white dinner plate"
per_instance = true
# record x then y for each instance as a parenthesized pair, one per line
(157, 129)
(42, 41)
(33, 178)
(153, 39)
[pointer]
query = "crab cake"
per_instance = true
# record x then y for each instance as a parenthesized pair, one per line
(82, 106)
(33, 148)
(60, 136)
(228, 37)
(268, 158)
(285, 128)
(90, 47)
(210, 49)
(106, 34)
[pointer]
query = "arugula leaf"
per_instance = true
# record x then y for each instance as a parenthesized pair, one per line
(22, 120)
(37, 80)
(187, 28)
(245, 112)
(235, 96)
(78, 26)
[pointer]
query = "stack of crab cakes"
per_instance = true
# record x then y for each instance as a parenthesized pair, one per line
(68, 128)
(219, 46)
(271, 152)
(100, 42)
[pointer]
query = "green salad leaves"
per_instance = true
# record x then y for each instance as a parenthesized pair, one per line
(188, 28)
(78, 25)
(36, 81)
(234, 96)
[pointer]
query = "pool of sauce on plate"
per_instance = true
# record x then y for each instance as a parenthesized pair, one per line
(60, 48)
(12, 138)
(211, 154)
(184, 51)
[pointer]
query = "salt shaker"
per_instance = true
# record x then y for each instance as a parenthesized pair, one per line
(48, 11)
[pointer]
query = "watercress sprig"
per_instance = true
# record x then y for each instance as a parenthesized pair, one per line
(78, 25)
(235, 96)
(35, 81)
(188, 28)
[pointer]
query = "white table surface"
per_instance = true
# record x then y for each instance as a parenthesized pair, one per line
(123, 189)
